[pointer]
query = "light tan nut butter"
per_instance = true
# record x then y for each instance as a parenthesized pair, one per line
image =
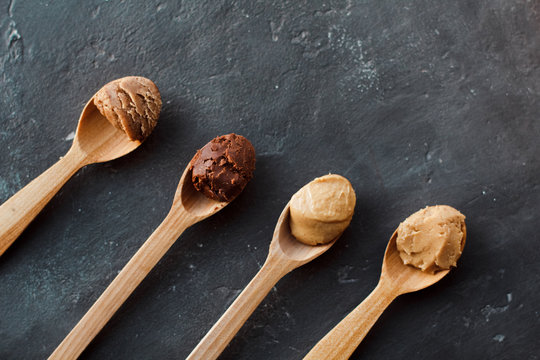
(432, 239)
(322, 209)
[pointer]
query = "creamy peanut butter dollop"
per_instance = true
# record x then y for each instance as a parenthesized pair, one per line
(432, 239)
(322, 209)
(132, 104)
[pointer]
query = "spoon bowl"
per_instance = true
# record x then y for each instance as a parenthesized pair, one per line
(407, 278)
(97, 139)
(193, 201)
(285, 245)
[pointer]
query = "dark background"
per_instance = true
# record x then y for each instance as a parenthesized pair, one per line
(416, 102)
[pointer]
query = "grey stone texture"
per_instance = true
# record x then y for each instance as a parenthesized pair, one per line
(417, 102)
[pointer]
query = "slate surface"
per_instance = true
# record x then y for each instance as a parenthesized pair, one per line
(416, 102)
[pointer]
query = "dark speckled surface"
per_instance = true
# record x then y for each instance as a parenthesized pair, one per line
(416, 102)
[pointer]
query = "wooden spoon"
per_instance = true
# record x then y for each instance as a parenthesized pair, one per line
(189, 207)
(285, 254)
(396, 279)
(96, 140)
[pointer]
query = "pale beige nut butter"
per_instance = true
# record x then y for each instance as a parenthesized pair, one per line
(322, 209)
(431, 239)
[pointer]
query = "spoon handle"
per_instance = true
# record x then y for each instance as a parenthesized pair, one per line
(344, 338)
(122, 286)
(19, 210)
(219, 336)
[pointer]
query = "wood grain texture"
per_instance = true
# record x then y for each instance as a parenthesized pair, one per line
(219, 336)
(340, 343)
(19, 210)
(122, 286)
(96, 141)
(189, 207)
(285, 254)
(396, 279)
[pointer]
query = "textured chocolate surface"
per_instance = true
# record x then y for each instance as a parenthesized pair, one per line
(223, 167)
(132, 104)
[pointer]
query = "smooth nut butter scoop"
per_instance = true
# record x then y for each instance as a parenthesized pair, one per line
(431, 239)
(132, 104)
(322, 209)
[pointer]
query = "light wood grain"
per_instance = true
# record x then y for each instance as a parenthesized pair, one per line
(19, 210)
(285, 254)
(396, 279)
(96, 140)
(189, 207)
(345, 337)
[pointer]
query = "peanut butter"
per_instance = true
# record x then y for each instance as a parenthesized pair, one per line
(431, 239)
(322, 209)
